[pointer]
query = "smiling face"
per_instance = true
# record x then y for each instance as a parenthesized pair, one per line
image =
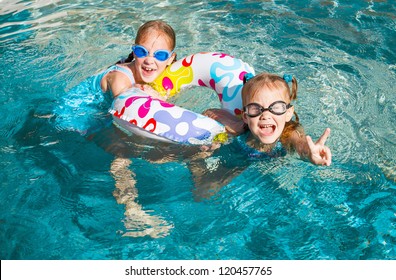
(147, 69)
(267, 127)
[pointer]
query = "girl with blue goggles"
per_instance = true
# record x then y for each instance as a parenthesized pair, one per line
(160, 55)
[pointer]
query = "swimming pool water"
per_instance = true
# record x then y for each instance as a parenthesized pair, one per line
(57, 185)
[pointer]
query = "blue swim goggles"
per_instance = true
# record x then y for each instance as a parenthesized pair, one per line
(160, 55)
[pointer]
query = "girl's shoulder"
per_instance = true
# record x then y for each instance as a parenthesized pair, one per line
(124, 69)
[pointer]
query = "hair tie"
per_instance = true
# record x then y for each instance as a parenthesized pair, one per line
(288, 78)
(247, 77)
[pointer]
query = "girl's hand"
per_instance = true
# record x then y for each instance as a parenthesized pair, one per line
(319, 153)
(150, 91)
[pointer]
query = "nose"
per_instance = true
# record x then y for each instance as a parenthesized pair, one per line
(149, 58)
(265, 115)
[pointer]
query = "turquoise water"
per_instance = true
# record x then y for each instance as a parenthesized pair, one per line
(57, 185)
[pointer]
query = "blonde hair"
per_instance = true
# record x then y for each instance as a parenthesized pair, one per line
(156, 26)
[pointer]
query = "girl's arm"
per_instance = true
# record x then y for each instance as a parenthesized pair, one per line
(293, 137)
(233, 124)
(317, 153)
(115, 82)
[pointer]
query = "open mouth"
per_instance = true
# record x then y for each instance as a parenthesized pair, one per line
(267, 129)
(148, 71)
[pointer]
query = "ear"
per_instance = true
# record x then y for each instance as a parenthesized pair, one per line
(289, 114)
(244, 117)
(171, 59)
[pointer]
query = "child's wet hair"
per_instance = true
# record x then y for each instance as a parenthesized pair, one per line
(146, 30)
(159, 26)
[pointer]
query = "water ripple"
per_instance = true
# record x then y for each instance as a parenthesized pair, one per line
(61, 184)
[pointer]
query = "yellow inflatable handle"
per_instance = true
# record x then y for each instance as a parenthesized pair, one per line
(219, 71)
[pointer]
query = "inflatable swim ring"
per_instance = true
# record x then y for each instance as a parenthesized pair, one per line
(219, 71)
(136, 112)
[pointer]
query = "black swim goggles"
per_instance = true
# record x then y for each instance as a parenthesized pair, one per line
(277, 108)
(160, 55)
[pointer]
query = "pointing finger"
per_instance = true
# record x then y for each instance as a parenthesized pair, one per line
(324, 137)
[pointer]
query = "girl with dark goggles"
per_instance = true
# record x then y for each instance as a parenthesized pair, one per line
(160, 55)
(277, 108)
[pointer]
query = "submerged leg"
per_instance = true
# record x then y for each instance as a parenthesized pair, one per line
(137, 221)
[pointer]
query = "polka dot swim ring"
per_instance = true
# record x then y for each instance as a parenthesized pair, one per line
(137, 112)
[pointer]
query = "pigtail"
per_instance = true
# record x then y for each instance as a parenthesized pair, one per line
(293, 126)
(293, 93)
(290, 128)
(126, 60)
(293, 96)
(291, 79)
(129, 58)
